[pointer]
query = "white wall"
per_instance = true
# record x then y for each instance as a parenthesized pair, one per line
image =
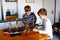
(57, 10)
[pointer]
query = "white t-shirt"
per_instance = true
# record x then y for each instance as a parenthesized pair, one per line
(48, 28)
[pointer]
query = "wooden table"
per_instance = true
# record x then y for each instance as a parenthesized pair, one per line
(27, 36)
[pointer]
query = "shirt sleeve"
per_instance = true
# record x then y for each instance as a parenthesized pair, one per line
(23, 19)
(34, 18)
(48, 27)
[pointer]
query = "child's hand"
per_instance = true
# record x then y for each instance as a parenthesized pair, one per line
(35, 30)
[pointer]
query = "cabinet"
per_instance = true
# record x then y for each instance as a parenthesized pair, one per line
(11, 17)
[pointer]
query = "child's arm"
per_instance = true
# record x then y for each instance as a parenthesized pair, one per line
(34, 18)
(37, 30)
(23, 19)
(43, 28)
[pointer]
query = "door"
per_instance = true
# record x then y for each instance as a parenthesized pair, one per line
(49, 6)
(57, 11)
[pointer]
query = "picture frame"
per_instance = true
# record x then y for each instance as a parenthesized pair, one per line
(29, 1)
(10, 0)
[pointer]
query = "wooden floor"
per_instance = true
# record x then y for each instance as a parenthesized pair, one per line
(28, 36)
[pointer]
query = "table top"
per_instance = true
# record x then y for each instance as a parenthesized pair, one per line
(25, 36)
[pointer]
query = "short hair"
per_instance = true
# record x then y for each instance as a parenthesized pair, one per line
(27, 8)
(42, 11)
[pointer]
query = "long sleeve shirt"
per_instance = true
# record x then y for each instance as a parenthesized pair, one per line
(31, 18)
(48, 28)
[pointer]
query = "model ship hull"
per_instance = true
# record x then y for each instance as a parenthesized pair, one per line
(14, 31)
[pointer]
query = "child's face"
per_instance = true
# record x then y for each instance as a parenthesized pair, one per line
(28, 13)
(42, 16)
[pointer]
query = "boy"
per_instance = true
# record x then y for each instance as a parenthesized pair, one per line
(29, 16)
(47, 27)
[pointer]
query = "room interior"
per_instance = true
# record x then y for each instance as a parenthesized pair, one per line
(12, 22)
